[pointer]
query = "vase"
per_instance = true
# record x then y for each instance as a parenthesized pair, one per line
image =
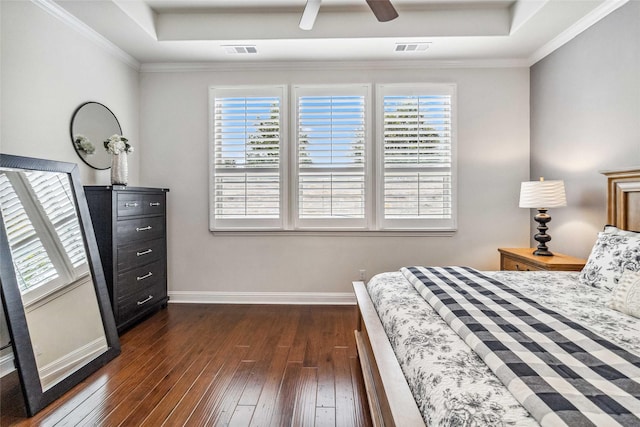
(119, 169)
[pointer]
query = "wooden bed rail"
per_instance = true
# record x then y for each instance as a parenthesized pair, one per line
(390, 399)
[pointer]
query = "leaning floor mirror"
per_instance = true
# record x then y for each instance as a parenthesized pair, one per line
(53, 289)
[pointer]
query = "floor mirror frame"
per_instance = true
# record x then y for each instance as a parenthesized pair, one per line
(24, 357)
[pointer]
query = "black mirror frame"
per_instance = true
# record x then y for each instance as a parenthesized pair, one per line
(73, 118)
(35, 398)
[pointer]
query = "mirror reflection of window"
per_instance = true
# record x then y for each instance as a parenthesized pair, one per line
(43, 231)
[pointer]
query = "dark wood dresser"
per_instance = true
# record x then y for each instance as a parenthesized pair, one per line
(130, 228)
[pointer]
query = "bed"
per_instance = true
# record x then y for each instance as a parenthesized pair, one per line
(418, 371)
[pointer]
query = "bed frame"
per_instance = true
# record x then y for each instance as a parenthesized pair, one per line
(390, 400)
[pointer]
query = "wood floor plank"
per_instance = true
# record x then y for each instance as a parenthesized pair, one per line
(285, 401)
(215, 332)
(345, 411)
(266, 402)
(147, 393)
(223, 410)
(232, 368)
(237, 365)
(326, 417)
(304, 413)
(241, 416)
(128, 379)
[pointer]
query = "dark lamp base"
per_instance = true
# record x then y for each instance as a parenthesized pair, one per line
(542, 237)
(542, 252)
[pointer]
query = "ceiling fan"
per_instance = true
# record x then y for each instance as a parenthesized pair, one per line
(382, 9)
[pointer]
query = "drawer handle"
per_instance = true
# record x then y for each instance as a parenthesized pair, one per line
(517, 267)
(153, 204)
(146, 276)
(131, 205)
(147, 299)
(148, 227)
(148, 251)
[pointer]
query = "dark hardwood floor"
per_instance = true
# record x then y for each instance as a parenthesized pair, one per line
(236, 365)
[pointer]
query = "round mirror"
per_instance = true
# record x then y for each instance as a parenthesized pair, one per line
(92, 123)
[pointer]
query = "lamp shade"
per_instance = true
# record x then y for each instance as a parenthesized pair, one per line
(542, 194)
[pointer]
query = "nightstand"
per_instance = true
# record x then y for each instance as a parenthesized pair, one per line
(523, 259)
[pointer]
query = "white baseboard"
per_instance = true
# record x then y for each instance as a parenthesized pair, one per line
(59, 369)
(6, 364)
(294, 298)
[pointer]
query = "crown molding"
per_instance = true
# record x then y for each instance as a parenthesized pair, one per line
(89, 33)
(581, 25)
(185, 67)
(292, 298)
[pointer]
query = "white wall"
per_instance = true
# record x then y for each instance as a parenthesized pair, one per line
(47, 70)
(493, 155)
(585, 117)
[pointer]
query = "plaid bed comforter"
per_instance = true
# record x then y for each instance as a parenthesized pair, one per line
(562, 373)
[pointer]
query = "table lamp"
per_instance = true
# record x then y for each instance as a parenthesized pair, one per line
(542, 195)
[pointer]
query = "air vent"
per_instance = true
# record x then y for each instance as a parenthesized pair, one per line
(412, 47)
(233, 50)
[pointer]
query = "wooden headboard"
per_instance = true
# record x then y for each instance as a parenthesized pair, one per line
(623, 198)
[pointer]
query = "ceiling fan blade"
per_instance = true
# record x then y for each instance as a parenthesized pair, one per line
(309, 15)
(383, 10)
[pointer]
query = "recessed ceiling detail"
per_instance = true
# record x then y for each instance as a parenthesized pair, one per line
(192, 31)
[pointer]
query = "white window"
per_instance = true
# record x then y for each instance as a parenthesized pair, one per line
(329, 176)
(331, 157)
(416, 166)
(246, 157)
(43, 231)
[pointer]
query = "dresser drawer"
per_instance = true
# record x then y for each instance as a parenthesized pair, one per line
(139, 302)
(517, 265)
(140, 253)
(129, 204)
(132, 281)
(153, 204)
(131, 230)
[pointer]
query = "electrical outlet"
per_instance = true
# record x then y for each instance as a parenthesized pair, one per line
(363, 274)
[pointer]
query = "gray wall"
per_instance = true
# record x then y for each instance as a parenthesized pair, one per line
(493, 156)
(585, 117)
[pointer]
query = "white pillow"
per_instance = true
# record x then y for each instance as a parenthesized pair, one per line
(612, 253)
(612, 229)
(626, 295)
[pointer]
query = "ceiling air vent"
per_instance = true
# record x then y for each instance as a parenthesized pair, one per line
(412, 47)
(233, 50)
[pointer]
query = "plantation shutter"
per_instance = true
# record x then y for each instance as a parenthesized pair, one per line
(247, 139)
(30, 259)
(416, 187)
(54, 194)
(331, 157)
(43, 231)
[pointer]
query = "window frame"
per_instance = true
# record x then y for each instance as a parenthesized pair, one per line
(414, 224)
(374, 222)
(335, 224)
(240, 224)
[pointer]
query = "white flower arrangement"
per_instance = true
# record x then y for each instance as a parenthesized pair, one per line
(82, 143)
(117, 144)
